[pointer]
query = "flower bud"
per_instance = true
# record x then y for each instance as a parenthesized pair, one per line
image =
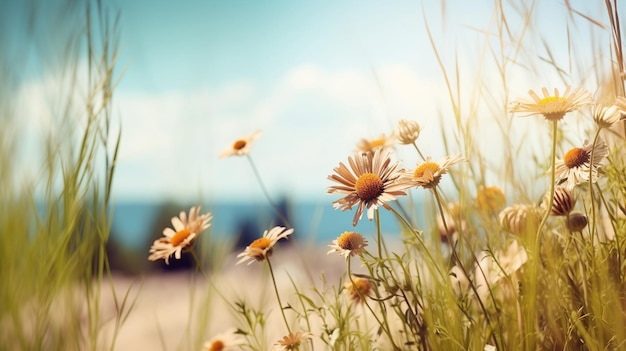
(408, 131)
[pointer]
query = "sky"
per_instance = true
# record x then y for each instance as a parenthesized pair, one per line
(314, 76)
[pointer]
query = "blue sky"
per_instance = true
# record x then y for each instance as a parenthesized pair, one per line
(314, 76)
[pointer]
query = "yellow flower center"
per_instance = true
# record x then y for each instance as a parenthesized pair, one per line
(551, 100)
(375, 143)
(261, 243)
(239, 144)
(425, 171)
(426, 168)
(180, 236)
(369, 186)
(576, 157)
(350, 240)
(363, 286)
(490, 198)
(217, 345)
(358, 288)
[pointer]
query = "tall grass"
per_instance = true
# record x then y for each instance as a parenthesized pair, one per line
(500, 270)
(56, 203)
(506, 264)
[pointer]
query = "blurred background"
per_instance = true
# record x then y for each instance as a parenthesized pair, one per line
(315, 77)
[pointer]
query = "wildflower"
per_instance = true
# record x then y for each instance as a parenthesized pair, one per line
(358, 288)
(576, 222)
(552, 107)
(490, 198)
(408, 131)
(182, 236)
(348, 244)
(620, 103)
(519, 219)
(575, 165)
(372, 182)
(563, 203)
(292, 341)
(241, 147)
(492, 268)
(261, 248)
(224, 341)
(512, 258)
(606, 116)
(428, 174)
(383, 142)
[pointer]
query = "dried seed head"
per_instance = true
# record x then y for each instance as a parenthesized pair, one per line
(576, 221)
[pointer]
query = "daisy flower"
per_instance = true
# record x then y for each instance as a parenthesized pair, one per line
(358, 288)
(348, 244)
(292, 341)
(262, 248)
(574, 167)
(606, 116)
(383, 142)
(186, 229)
(428, 174)
(408, 131)
(552, 106)
(491, 269)
(519, 219)
(490, 198)
(512, 258)
(240, 147)
(371, 181)
(225, 341)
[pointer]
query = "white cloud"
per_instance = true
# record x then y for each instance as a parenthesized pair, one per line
(48, 108)
(311, 120)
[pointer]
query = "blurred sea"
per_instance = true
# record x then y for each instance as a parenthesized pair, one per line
(135, 223)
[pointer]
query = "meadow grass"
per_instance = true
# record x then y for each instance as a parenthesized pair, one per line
(515, 258)
(524, 251)
(55, 218)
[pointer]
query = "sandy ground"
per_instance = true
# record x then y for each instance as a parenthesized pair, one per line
(169, 309)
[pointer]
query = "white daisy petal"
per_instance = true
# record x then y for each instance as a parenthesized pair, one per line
(369, 183)
(240, 147)
(261, 248)
(552, 106)
(186, 229)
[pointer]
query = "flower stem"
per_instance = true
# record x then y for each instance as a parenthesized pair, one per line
(533, 270)
(282, 217)
(266, 193)
(537, 243)
(280, 304)
(383, 325)
(459, 263)
(552, 180)
(445, 223)
(419, 239)
(379, 236)
(208, 278)
(592, 224)
(419, 152)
